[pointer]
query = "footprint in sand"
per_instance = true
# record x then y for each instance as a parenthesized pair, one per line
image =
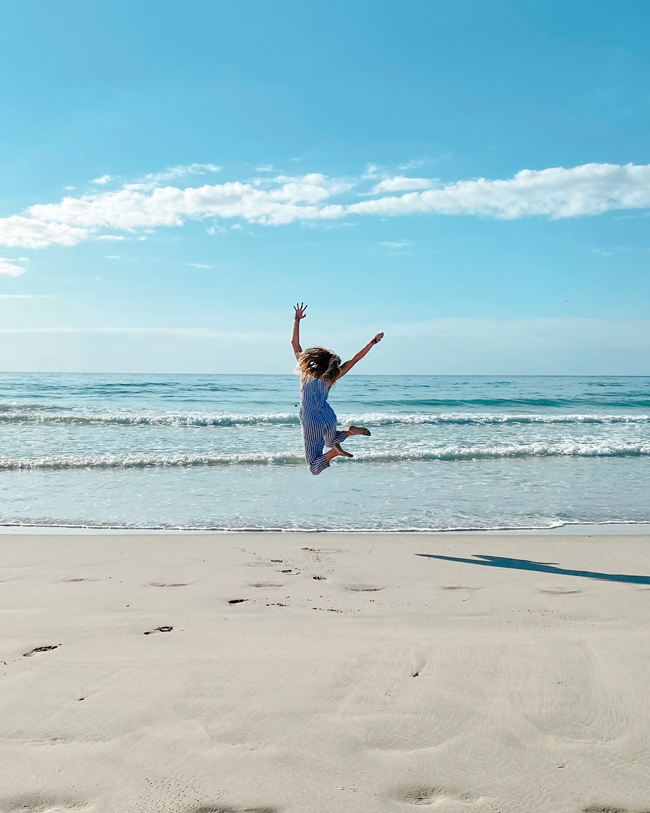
(41, 803)
(266, 584)
(561, 591)
(428, 795)
(418, 663)
(40, 649)
(603, 809)
(322, 550)
(363, 588)
(159, 629)
(228, 809)
(168, 584)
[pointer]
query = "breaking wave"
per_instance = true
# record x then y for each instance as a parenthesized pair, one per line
(448, 453)
(30, 416)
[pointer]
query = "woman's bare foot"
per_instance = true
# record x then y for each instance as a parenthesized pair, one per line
(336, 451)
(358, 430)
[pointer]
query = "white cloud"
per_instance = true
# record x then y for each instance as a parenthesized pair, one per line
(113, 257)
(10, 268)
(103, 180)
(402, 184)
(589, 189)
(286, 200)
(30, 232)
(198, 265)
(110, 237)
(265, 168)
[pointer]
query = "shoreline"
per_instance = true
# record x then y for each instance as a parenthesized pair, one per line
(568, 529)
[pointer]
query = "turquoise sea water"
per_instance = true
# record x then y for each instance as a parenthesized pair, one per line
(446, 452)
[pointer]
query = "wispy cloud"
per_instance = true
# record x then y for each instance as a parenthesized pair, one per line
(198, 265)
(197, 332)
(25, 296)
(104, 179)
(396, 245)
(10, 268)
(372, 172)
(590, 189)
(110, 237)
(420, 162)
(414, 164)
(400, 183)
(113, 257)
(154, 179)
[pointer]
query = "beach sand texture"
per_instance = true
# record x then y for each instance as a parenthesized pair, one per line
(299, 673)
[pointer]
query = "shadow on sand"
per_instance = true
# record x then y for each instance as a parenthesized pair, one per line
(540, 567)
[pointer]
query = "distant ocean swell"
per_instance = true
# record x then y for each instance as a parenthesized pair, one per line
(25, 416)
(444, 453)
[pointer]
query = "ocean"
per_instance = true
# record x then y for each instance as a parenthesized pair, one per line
(225, 452)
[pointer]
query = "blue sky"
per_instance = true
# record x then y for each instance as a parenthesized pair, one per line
(473, 177)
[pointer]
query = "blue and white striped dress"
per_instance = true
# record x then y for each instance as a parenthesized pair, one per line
(318, 423)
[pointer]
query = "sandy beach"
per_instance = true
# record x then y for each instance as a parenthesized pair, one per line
(287, 673)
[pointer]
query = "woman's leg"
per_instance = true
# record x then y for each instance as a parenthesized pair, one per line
(332, 435)
(314, 445)
(324, 432)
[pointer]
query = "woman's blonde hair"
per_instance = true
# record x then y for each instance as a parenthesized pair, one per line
(317, 362)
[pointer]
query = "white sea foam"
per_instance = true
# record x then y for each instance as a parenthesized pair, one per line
(144, 419)
(190, 419)
(450, 452)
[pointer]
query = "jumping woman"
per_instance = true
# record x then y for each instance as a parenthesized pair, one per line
(319, 370)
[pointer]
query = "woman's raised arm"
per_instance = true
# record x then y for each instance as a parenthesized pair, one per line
(348, 365)
(299, 313)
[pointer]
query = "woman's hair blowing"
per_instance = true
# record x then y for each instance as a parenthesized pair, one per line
(317, 362)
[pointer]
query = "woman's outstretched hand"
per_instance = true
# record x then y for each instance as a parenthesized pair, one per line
(299, 311)
(378, 338)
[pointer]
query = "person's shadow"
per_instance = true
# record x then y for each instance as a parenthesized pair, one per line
(540, 567)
